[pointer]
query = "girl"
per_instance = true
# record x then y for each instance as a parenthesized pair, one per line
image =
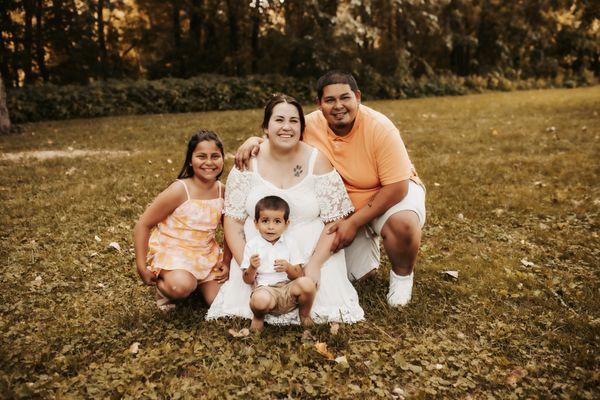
(176, 233)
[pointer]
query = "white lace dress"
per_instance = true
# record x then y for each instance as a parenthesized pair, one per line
(317, 199)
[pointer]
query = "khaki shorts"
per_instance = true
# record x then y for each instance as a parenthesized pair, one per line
(282, 293)
(364, 253)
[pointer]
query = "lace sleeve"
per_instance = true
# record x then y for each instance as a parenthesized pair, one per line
(236, 190)
(332, 196)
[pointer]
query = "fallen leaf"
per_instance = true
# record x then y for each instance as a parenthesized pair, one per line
(551, 129)
(453, 274)
(436, 184)
(97, 238)
(307, 336)
(543, 226)
(494, 132)
(322, 350)
(515, 376)
(527, 263)
(134, 348)
(499, 211)
(460, 216)
(70, 171)
(115, 246)
(169, 161)
(101, 285)
(399, 393)
(37, 281)
(334, 328)
(342, 360)
(241, 333)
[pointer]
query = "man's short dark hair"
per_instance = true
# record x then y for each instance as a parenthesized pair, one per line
(272, 203)
(335, 77)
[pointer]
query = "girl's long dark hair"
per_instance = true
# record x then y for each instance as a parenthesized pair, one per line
(187, 171)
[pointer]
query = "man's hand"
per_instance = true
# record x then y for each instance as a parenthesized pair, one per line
(148, 277)
(223, 274)
(282, 266)
(255, 261)
(247, 150)
(345, 232)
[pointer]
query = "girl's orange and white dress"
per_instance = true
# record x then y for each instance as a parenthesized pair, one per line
(186, 239)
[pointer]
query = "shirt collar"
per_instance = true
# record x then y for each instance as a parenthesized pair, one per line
(281, 240)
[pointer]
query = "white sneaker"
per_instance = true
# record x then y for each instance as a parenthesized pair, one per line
(400, 289)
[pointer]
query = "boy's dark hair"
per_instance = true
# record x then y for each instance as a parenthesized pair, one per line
(187, 171)
(273, 203)
(334, 77)
(278, 98)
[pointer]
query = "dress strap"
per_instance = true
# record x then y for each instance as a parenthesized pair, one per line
(185, 187)
(312, 160)
(219, 184)
(254, 164)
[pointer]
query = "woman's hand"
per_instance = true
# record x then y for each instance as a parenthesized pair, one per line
(248, 149)
(223, 274)
(148, 277)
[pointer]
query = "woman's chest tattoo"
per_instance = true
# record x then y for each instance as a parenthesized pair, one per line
(298, 170)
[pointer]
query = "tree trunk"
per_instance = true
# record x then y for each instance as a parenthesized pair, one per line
(4, 118)
(39, 40)
(102, 40)
(254, 39)
(28, 41)
(5, 31)
(178, 63)
(196, 19)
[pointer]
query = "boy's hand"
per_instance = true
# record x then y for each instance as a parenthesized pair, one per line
(282, 266)
(255, 261)
(148, 277)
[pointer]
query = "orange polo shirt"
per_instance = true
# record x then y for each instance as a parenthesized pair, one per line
(370, 156)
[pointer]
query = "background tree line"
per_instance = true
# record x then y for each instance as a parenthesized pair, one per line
(71, 41)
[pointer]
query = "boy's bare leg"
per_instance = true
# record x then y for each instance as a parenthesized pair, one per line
(304, 289)
(261, 303)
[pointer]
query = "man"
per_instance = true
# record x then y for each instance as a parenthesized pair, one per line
(366, 149)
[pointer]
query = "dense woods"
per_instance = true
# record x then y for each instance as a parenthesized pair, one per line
(71, 41)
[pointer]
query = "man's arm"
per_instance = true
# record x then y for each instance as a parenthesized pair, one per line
(248, 149)
(387, 196)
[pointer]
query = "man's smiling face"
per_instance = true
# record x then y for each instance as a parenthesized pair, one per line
(339, 105)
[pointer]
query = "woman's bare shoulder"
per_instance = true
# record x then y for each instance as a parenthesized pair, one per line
(322, 164)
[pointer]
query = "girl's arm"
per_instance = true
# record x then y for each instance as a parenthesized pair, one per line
(164, 204)
(235, 238)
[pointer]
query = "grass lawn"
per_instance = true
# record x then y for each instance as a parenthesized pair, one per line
(513, 197)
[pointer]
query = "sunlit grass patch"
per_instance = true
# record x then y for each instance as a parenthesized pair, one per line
(513, 198)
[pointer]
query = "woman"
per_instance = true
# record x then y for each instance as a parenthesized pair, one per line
(298, 173)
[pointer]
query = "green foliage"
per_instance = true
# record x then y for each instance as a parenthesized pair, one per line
(510, 177)
(215, 92)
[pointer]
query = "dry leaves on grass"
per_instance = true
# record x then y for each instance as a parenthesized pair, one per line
(239, 334)
(324, 351)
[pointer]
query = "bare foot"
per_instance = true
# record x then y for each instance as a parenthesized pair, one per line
(307, 322)
(257, 325)
(163, 303)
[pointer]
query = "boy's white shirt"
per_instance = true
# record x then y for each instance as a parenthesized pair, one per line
(282, 249)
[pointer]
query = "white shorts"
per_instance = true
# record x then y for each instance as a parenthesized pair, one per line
(363, 254)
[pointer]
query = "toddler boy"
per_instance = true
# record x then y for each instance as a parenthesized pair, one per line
(273, 264)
